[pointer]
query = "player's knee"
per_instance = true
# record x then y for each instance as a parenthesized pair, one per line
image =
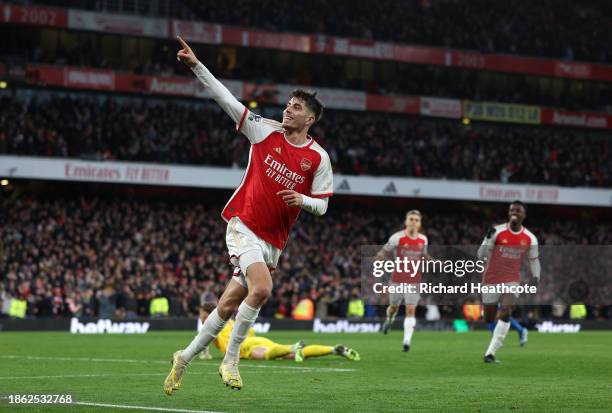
(260, 294)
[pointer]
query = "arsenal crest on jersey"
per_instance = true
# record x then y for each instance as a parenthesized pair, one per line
(305, 164)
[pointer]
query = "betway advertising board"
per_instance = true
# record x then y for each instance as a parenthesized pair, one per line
(91, 326)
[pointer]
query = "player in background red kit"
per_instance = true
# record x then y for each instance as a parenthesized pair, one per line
(412, 244)
(287, 172)
(504, 247)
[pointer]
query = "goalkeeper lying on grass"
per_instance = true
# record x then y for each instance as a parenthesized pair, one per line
(262, 348)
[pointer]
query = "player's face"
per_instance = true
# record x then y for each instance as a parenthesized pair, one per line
(413, 223)
(516, 213)
(296, 115)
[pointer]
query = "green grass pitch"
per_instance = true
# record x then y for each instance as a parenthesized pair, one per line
(443, 372)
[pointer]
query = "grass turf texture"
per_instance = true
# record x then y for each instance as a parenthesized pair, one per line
(442, 372)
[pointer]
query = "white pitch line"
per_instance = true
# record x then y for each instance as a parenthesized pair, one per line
(108, 360)
(68, 376)
(149, 408)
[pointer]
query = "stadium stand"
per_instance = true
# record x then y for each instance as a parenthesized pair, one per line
(566, 29)
(375, 144)
(110, 257)
(155, 57)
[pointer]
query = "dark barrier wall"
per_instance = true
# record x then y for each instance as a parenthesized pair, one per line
(140, 326)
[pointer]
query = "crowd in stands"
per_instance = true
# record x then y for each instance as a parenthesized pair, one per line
(566, 29)
(263, 66)
(552, 28)
(358, 143)
(109, 257)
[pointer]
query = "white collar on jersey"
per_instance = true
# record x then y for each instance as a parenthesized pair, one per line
(515, 233)
(305, 144)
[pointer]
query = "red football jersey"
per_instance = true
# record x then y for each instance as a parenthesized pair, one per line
(402, 245)
(276, 164)
(509, 248)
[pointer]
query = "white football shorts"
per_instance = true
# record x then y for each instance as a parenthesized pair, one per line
(395, 299)
(246, 248)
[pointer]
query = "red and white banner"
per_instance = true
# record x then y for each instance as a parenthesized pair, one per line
(102, 79)
(540, 194)
(117, 23)
(197, 32)
(177, 86)
(93, 79)
(576, 119)
(395, 104)
(34, 16)
(229, 178)
(575, 70)
(441, 108)
(267, 40)
(209, 33)
(353, 47)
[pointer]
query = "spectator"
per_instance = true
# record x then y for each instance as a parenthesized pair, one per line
(358, 143)
(356, 306)
(86, 250)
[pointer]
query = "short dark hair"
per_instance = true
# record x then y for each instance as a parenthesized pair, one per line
(311, 100)
(521, 203)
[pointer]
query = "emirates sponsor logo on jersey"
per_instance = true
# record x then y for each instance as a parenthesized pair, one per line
(305, 164)
(513, 253)
(281, 174)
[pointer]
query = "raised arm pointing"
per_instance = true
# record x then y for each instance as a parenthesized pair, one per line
(219, 93)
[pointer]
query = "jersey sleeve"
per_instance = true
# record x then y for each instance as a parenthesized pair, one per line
(487, 245)
(533, 248)
(255, 127)
(392, 243)
(322, 184)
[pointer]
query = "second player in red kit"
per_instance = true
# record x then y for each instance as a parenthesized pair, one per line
(505, 247)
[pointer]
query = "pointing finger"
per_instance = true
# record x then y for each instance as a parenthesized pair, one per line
(182, 42)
